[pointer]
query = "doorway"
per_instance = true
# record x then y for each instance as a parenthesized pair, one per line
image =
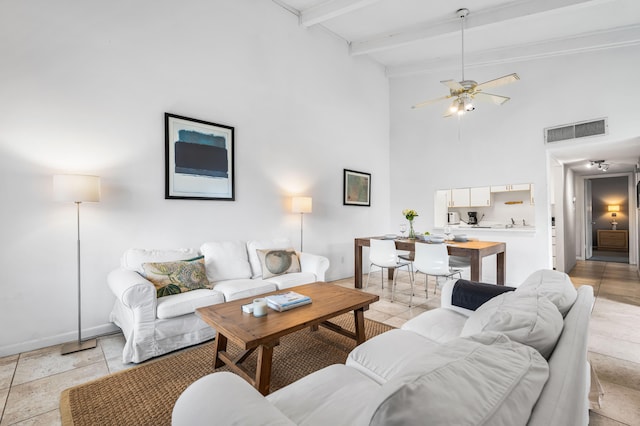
(607, 204)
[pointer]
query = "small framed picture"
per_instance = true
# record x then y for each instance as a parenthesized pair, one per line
(199, 159)
(356, 188)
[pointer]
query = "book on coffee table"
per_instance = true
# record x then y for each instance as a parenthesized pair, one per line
(285, 301)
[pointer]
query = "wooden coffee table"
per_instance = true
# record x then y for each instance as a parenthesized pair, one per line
(264, 333)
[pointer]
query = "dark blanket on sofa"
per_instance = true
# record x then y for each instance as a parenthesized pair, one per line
(471, 294)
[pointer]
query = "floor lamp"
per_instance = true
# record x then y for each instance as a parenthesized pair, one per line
(77, 189)
(301, 205)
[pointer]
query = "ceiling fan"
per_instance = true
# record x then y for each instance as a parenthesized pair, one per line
(466, 91)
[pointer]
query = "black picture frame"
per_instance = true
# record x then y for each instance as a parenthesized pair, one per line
(199, 159)
(356, 188)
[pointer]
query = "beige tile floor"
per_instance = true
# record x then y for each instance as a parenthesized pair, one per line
(30, 383)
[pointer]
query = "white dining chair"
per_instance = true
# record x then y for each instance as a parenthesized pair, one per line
(383, 254)
(433, 260)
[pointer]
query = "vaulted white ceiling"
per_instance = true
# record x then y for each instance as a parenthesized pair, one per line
(412, 36)
(423, 36)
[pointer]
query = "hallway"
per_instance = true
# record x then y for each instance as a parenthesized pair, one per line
(614, 339)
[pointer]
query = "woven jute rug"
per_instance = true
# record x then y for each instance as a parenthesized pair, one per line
(146, 394)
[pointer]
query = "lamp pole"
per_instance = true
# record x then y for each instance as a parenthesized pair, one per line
(77, 188)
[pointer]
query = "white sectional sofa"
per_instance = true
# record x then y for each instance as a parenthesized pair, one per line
(155, 325)
(483, 358)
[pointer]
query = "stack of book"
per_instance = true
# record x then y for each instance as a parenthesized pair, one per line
(285, 301)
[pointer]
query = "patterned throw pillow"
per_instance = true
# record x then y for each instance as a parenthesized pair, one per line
(276, 262)
(177, 277)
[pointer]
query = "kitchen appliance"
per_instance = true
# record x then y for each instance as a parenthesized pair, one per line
(473, 218)
(453, 218)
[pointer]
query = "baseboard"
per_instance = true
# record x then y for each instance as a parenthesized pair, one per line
(58, 339)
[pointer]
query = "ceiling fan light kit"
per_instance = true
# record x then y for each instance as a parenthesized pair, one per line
(465, 92)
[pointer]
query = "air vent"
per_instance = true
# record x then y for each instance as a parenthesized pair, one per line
(582, 129)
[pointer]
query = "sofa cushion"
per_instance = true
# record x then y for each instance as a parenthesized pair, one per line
(226, 260)
(176, 277)
(291, 280)
(335, 395)
(499, 380)
(133, 258)
(238, 289)
(384, 356)
(274, 262)
(554, 285)
(525, 317)
(186, 303)
(253, 245)
(439, 325)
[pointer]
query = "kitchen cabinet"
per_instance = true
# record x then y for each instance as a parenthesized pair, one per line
(440, 207)
(479, 197)
(533, 200)
(511, 187)
(460, 197)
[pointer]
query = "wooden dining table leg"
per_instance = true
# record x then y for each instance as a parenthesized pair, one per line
(500, 267)
(358, 265)
(476, 266)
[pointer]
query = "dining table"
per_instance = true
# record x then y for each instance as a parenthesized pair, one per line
(474, 250)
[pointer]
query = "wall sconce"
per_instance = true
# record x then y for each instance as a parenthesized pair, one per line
(613, 207)
(301, 205)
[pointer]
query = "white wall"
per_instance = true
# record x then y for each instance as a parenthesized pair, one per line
(83, 89)
(505, 144)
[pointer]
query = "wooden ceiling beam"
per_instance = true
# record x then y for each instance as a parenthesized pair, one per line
(476, 19)
(588, 42)
(331, 9)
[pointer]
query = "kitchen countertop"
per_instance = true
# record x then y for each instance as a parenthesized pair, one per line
(490, 228)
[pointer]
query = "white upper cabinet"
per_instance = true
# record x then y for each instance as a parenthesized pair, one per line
(441, 205)
(511, 187)
(460, 197)
(533, 200)
(480, 197)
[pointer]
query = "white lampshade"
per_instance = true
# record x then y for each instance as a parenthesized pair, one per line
(301, 204)
(76, 188)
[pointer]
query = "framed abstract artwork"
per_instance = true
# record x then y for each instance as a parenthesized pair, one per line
(199, 159)
(356, 188)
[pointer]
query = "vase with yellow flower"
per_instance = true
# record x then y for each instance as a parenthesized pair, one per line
(410, 214)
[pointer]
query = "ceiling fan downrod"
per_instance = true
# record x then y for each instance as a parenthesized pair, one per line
(462, 14)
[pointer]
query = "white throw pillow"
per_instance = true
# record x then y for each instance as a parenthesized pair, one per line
(254, 259)
(226, 260)
(479, 380)
(554, 285)
(525, 317)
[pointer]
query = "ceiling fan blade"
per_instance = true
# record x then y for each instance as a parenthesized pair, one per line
(453, 85)
(432, 101)
(498, 82)
(488, 97)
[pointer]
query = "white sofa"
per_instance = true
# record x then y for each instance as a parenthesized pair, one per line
(154, 325)
(451, 365)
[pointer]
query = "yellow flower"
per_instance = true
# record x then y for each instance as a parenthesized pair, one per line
(410, 214)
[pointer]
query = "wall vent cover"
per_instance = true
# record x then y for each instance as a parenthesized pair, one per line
(582, 129)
